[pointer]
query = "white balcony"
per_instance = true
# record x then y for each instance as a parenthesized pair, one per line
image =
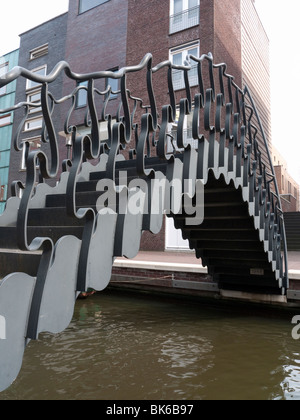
(185, 19)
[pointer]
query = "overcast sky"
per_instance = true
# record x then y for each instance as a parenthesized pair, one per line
(18, 16)
(281, 21)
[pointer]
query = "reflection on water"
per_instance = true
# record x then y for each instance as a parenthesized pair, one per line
(121, 347)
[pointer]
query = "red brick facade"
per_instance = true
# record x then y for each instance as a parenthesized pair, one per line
(219, 32)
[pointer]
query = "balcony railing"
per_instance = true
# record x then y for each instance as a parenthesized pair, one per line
(185, 19)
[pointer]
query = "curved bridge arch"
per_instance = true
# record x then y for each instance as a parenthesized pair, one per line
(59, 241)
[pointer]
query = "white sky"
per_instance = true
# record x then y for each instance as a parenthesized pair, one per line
(18, 16)
(281, 21)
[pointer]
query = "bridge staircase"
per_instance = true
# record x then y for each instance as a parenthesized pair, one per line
(57, 242)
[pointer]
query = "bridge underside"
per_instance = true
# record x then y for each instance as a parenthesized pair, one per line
(229, 243)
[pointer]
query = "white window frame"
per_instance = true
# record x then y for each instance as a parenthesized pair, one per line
(30, 95)
(39, 52)
(28, 123)
(30, 85)
(188, 17)
(35, 144)
(5, 120)
(178, 75)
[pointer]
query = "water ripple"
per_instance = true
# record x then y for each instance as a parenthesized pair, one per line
(136, 347)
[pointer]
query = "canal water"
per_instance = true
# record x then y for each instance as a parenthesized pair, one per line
(126, 346)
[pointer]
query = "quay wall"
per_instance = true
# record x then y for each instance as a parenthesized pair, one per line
(192, 280)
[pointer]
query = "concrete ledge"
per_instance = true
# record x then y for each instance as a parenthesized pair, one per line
(177, 267)
(293, 295)
(294, 275)
(252, 297)
(158, 266)
(193, 285)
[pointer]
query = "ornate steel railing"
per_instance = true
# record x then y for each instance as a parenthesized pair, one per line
(71, 243)
(231, 97)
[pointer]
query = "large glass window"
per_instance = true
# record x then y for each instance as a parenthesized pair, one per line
(85, 5)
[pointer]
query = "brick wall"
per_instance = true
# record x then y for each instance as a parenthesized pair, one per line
(52, 33)
(227, 36)
(96, 41)
(157, 277)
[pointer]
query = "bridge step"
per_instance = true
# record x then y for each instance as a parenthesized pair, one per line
(130, 167)
(26, 262)
(292, 226)
(9, 239)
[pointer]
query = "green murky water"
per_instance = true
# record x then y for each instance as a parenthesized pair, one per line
(123, 346)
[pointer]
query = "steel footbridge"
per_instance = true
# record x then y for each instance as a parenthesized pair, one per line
(60, 239)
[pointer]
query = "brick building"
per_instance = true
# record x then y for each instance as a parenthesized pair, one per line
(95, 41)
(109, 34)
(230, 29)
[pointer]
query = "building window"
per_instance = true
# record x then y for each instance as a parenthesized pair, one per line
(114, 85)
(179, 56)
(33, 124)
(187, 133)
(34, 98)
(85, 5)
(41, 71)
(5, 120)
(3, 71)
(81, 98)
(35, 144)
(38, 52)
(184, 14)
